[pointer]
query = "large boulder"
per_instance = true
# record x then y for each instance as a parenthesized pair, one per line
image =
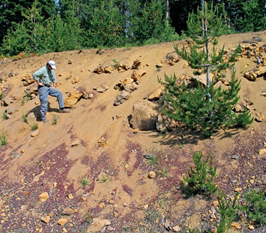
(73, 98)
(144, 115)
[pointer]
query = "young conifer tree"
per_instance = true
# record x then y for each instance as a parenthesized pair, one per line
(205, 108)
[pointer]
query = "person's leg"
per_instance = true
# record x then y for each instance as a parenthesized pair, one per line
(58, 94)
(43, 96)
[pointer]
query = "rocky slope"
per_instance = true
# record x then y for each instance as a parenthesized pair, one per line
(90, 170)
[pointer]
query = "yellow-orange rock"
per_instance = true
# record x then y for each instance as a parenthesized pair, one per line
(43, 197)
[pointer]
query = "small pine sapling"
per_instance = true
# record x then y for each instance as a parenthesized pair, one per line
(205, 108)
(200, 177)
(227, 210)
(255, 207)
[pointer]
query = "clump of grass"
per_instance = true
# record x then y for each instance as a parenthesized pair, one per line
(117, 64)
(1, 94)
(3, 138)
(4, 115)
(88, 217)
(26, 98)
(152, 160)
(24, 118)
(39, 163)
(153, 157)
(104, 179)
(34, 127)
(84, 181)
(54, 121)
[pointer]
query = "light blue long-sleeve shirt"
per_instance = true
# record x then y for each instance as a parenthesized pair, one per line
(45, 76)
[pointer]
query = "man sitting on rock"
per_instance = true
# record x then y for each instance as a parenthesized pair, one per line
(46, 79)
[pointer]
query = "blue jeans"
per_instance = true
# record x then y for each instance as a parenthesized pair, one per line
(44, 92)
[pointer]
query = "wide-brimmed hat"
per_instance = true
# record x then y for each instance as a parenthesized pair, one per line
(52, 64)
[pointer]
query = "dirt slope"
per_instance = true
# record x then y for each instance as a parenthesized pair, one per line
(111, 182)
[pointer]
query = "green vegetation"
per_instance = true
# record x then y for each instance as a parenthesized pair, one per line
(4, 115)
(26, 98)
(54, 121)
(24, 117)
(205, 108)
(117, 64)
(88, 217)
(38, 26)
(200, 177)
(255, 207)
(227, 210)
(34, 127)
(105, 179)
(152, 160)
(84, 182)
(3, 138)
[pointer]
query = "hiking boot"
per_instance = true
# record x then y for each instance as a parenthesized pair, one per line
(45, 121)
(64, 110)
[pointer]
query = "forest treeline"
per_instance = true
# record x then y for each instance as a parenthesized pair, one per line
(42, 26)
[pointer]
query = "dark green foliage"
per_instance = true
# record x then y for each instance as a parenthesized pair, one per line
(200, 177)
(199, 57)
(3, 138)
(11, 13)
(213, 17)
(105, 27)
(205, 109)
(192, 106)
(61, 36)
(16, 41)
(246, 15)
(42, 26)
(227, 210)
(38, 36)
(254, 19)
(255, 207)
(148, 21)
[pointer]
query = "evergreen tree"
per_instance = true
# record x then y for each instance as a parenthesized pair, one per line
(246, 15)
(205, 108)
(253, 16)
(63, 36)
(24, 36)
(105, 26)
(11, 13)
(179, 11)
(148, 21)
(37, 35)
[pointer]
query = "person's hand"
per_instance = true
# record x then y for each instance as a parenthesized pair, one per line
(53, 87)
(40, 84)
